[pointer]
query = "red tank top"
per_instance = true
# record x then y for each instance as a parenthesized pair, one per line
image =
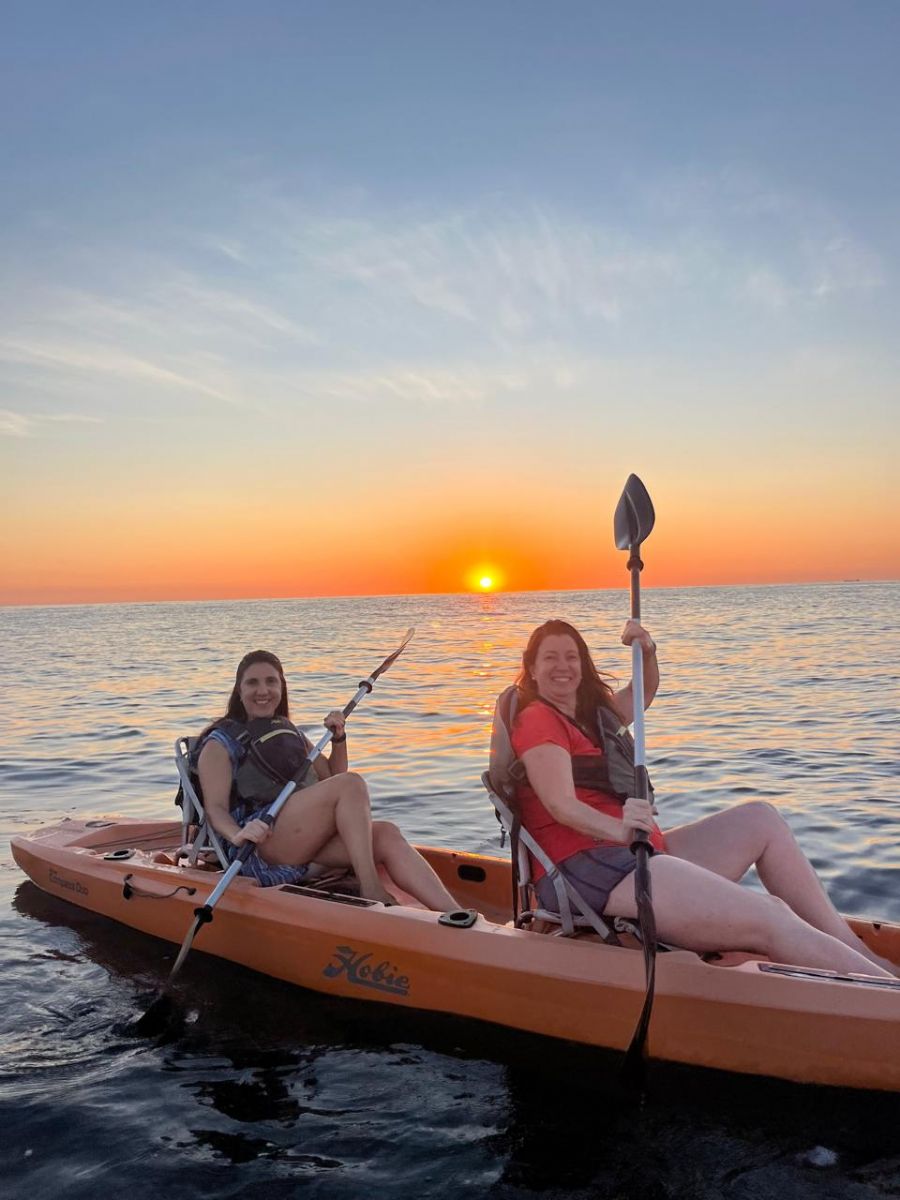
(540, 725)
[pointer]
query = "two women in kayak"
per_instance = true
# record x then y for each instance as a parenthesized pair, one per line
(328, 823)
(696, 868)
(567, 801)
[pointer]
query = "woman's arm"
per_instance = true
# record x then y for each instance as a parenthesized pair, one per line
(549, 770)
(623, 700)
(214, 770)
(337, 762)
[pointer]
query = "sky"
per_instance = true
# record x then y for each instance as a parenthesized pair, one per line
(332, 298)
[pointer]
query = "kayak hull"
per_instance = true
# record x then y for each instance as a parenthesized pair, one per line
(737, 1014)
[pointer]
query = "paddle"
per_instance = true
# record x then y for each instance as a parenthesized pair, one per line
(632, 524)
(157, 1014)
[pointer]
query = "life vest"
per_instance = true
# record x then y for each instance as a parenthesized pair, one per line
(274, 752)
(613, 773)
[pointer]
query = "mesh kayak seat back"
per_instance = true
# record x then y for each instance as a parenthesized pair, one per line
(200, 841)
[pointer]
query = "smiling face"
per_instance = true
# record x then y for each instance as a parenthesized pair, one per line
(556, 671)
(260, 690)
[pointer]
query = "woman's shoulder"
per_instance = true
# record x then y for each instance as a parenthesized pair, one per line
(538, 723)
(229, 735)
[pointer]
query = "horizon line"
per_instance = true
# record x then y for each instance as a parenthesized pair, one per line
(429, 595)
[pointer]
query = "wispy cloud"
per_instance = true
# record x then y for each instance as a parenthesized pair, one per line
(466, 384)
(768, 289)
(17, 424)
(104, 361)
(842, 264)
(799, 250)
(506, 273)
(290, 305)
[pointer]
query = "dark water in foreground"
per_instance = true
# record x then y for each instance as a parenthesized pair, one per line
(264, 1090)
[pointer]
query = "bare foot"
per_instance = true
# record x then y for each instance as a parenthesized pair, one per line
(381, 894)
(889, 966)
(892, 968)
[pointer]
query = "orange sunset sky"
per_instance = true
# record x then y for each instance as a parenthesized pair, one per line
(121, 542)
(333, 324)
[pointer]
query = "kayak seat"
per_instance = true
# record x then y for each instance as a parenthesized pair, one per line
(201, 845)
(575, 914)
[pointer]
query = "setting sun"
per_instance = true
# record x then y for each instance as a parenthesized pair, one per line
(484, 578)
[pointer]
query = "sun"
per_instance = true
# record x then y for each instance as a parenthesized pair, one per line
(484, 577)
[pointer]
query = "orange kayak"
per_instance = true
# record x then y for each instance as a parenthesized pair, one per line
(736, 1013)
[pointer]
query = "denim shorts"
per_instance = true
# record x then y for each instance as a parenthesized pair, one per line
(594, 873)
(266, 874)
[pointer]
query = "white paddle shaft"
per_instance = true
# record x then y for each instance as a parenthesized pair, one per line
(637, 690)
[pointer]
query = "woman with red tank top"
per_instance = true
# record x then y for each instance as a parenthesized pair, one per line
(696, 868)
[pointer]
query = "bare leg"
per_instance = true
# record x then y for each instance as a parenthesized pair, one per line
(703, 911)
(405, 865)
(755, 834)
(312, 818)
(408, 868)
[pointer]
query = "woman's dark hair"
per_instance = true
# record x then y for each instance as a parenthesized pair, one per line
(235, 710)
(593, 691)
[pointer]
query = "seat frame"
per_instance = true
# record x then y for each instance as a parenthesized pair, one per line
(575, 914)
(198, 838)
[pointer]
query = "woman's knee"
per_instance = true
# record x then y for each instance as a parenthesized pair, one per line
(352, 793)
(386, 834)
(352, 784)
(764, 817)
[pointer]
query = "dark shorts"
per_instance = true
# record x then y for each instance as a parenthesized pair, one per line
(594, 874)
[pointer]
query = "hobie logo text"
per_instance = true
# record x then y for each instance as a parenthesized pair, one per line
(357, 966)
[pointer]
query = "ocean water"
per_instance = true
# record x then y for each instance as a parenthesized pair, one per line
(786, 693)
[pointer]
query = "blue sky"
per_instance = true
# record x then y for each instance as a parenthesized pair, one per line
(488, 232)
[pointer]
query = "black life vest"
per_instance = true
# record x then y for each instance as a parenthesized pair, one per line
(274, 752)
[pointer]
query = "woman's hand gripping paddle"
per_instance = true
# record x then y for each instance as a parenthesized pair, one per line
(157, 1015)
(633, 523)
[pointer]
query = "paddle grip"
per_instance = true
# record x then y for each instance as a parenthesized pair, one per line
(641, 782)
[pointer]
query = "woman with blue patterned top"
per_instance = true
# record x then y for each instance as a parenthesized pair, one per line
(328, 821)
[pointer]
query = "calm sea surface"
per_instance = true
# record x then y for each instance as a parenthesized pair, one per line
(788, 693)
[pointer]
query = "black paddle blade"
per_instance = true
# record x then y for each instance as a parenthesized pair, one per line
(155, 1021)
(159, 1016)
(634, 517)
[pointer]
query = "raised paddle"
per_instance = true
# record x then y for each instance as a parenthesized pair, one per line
(157, 1014)
(633, 524)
